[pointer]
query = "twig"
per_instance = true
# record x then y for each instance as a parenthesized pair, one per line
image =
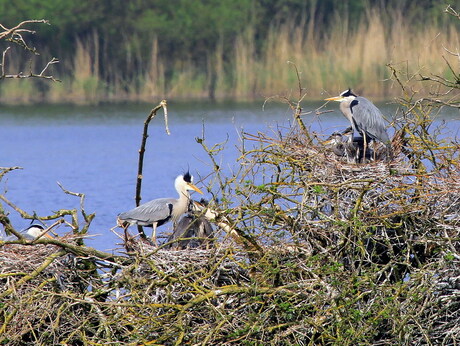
(298, 108)
(18, 28)
(145, 135)
(452, 12)
(86, 217)
(5, 170)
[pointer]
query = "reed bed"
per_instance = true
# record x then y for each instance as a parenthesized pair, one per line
(331, 59)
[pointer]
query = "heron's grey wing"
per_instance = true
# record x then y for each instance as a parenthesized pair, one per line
(369, 119)
(158, 210)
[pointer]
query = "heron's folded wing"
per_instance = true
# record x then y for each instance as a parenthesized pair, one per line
(148, 213)
(369, 118)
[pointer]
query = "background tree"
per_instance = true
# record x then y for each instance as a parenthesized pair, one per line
(205, 47)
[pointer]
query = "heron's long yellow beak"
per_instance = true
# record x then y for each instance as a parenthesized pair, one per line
(336, 98)
(194, 188)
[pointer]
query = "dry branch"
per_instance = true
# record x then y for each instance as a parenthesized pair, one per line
(15, 36)
(163, 105)
(145, 135)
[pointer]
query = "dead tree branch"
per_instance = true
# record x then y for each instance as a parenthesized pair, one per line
(163, 104)
(15, 36)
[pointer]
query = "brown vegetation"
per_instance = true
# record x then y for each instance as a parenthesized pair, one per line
(322, 252)
(310, 250)
(330, 59)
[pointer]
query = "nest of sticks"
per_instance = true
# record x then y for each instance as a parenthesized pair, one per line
(312, 250)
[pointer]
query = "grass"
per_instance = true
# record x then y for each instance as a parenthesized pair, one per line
(354, 59)
(329, 60)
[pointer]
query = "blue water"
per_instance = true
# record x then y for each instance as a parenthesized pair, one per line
(94, 150)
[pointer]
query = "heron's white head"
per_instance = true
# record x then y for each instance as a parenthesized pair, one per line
(185, 183)
(346, 96)
(36, 230)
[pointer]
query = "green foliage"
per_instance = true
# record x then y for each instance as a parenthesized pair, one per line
(120, 38)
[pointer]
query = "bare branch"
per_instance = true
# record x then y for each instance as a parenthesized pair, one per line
(153, 112)
(15, 35)
(452, 12)
(86, 217)
(19, 28)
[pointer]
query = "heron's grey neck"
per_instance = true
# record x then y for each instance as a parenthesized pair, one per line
(182, 205)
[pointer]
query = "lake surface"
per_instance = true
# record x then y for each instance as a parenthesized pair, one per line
(94, 150)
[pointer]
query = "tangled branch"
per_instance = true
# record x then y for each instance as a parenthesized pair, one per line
(15, 35)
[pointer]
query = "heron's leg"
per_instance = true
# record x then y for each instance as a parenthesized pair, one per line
(154, 234)
(374, 150)
(141, 232)
(365, 146)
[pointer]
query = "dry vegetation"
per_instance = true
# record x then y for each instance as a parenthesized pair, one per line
(316, 251)
(311, 250)
(356, 58)
(331, 59)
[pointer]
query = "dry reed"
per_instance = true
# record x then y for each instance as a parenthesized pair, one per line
(331, 60)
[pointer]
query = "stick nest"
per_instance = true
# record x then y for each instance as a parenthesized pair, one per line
(309, 250)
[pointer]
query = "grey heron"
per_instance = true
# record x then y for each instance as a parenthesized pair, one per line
(159, 211)
(343, 145)
(32, 232)
(194, 229)
(364, 117)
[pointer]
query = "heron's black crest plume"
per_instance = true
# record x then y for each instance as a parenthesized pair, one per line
(188, 177)
(347, 93)
(35, 225)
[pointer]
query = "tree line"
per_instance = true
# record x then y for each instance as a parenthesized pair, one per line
(121, 37)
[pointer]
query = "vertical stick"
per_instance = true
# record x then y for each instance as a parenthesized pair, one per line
(162, 104)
